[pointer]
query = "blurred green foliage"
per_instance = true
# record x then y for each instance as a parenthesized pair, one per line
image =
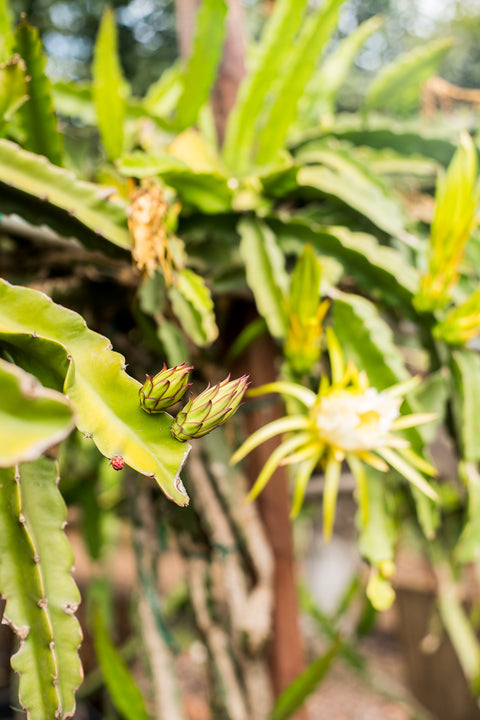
(146, 33)
(199, 250)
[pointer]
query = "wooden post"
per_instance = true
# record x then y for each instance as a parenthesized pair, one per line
(286, 653)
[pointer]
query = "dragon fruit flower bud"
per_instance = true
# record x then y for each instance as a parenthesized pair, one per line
(165, 388)
(210, 409)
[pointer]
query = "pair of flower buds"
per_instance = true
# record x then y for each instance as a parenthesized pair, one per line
(202, 413)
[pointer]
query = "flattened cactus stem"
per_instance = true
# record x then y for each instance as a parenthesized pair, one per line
(164, 389)
(210, 409)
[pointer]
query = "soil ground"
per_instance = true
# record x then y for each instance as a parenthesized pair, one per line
(382, 694)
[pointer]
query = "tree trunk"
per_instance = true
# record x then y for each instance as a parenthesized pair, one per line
(286, 654)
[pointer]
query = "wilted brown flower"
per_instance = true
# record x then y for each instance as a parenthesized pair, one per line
(152, 240)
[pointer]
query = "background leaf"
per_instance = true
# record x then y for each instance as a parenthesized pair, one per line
(458, 625)
(300, 64)
(199, 73)
(398, 85)
(341, 175)
(109, 86)
(206, 191)
(378, 535)
(6, 35)
(43, 193)
(367, 340)
(293, 697)
(37, 116)
(264, 266)
(74, 100)
(325, 84)
(371, 264)
(406, 137)
(162, 95)
(125, 694)
(13, 87)
(467, 549)
(465, 369)
(271, 53)
(193, 306)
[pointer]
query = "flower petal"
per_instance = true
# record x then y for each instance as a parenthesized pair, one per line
(330, 492)
(408, 472)
(306, 396)
(273, 462)
(313, 448)
(373, 460)
(417, 461)
(302, 477)
(407, 421)
(282, 425)
(337, 362)
(402, 388)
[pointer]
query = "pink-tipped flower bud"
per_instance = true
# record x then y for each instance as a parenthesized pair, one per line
(210, 409)
(165, 388)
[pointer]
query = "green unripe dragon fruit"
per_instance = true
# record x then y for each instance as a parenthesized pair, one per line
(210, 409)
(165, 388)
